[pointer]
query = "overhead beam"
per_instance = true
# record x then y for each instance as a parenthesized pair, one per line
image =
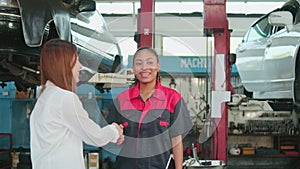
(174, 26)
(189, 1)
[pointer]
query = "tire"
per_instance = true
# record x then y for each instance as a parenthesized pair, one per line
(296, 90)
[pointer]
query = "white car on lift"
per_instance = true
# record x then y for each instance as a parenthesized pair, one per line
(268, 59)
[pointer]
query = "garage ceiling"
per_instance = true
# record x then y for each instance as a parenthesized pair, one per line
(191, 1)
(126, 25)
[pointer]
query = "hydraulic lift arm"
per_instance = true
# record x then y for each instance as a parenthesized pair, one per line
(216, 24)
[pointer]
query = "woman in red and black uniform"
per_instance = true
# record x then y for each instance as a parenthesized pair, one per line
(155, 118)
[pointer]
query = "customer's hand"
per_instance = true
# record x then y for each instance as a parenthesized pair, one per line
(120, 140)
(120, 130)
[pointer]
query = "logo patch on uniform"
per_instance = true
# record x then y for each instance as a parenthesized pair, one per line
(164, 123)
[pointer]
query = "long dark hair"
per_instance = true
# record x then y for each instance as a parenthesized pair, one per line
(57, 59)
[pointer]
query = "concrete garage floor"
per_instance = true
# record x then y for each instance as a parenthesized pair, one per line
(259, 162)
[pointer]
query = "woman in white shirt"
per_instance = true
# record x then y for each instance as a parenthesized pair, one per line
(59, 124)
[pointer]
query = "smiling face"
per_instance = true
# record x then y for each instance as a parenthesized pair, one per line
(145, 66)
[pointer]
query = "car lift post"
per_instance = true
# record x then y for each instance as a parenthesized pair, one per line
(145, 23)
(216, 24)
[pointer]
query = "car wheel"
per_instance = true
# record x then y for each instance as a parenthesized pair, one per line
(297, 82)
(247, 93)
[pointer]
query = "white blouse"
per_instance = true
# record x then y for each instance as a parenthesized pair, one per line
(58, 126)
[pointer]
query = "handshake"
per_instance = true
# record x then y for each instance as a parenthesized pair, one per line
(119, 127)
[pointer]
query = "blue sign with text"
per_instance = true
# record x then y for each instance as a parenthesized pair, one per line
(185, 64)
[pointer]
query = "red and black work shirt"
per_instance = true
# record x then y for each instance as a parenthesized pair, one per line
(149, 126)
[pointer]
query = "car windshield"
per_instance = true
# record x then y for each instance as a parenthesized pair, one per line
(92, 20)
(259, 30)
(90, 31)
